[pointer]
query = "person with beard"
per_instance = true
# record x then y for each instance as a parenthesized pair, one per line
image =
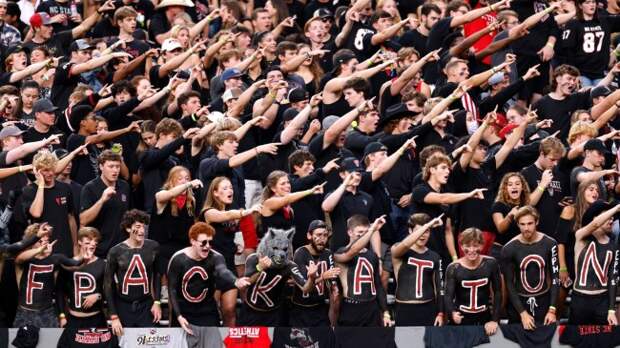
(193, 275)
(80, 293)
(596, 268)
(417, 38)
(364, 300)
(310, 309)
(471, 282)
(132, 282)
(531, 272)
(419, 276)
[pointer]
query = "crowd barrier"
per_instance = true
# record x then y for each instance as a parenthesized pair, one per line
(404, 337)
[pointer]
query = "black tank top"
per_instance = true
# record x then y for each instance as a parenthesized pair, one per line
(339, 108)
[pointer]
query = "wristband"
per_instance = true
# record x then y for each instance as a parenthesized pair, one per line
(387, 315)
(157, 303)
(454, 258)
(272, 95)
(62, 316)
(563, 269)
(113, 317)
(549, 44)
(541, 189)
(258, 268)
(20, 169)
(209, 19)
(551, 309)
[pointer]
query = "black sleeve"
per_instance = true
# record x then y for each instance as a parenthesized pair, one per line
(213, 167)
(108, 284)
(158, 272)
(497, 291)
(508, 270)
(154, 157)
(17, 247)
(612, 275)
(60, 291)
(307, 182)
(554, 272)
(115, 114)
(60, 259)
(438, 282)
(449, 289)
(295, 274)
(173, 275)
(488, 104)
(87, 199)
(395, 141)
(223, 273)
(250, 265)
(381, 294)
(563, 230)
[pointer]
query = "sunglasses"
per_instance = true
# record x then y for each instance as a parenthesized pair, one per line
(204, 243)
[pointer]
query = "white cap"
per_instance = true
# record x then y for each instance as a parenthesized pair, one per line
(215, 116)
(170, 44)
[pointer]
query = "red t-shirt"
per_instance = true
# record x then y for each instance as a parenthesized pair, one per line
(247, 337)
(477, 25)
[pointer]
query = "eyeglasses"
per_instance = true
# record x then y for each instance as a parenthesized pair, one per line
(204, 243)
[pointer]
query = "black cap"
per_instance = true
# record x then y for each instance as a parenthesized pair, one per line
(27, 336)
(395, 112)
(16, 48)
(600, 91)
(297, 95)
(316, 224)
(43, 105)
(289, 114)
(351, 164)
(258, 37)
(374, 147)
(323, 13)
(60, 153)
(596, 144)
(79, 113)
(594, 210)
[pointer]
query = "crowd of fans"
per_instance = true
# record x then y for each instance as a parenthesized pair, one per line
(310, 159)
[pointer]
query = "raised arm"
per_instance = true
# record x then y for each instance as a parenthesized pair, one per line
(598, 221)
(273, 204)
(360, 243)
(410, 72)
(399, 249)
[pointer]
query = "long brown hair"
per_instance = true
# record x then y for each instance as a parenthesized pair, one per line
(581, 205)
(169, 183)
(504, 197)
(212, 201)
(315, 67)
(272, 181)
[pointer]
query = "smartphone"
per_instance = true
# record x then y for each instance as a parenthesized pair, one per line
(567, 200)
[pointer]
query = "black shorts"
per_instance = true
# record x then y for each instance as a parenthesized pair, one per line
(248, 316)
(136, 313)
(300, 316)
(416, 314)
(355, 313)
(588, 309)
(536, 306)
(96, 321)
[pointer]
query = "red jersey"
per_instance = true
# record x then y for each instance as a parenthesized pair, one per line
(477, 25)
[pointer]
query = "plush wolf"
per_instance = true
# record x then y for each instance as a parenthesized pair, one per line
(277, 245)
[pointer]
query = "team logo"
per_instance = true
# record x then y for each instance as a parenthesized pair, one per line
(153, 339)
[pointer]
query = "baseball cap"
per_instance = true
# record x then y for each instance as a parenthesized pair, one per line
(507, 129)
(351, 164)
(289, 114)
(231, 73)
(80, 44)
(329, 121)
(43, 105)
(79, 113)
(297, 95)
(600, 91)
(231, 94)
(323, 13)
(496, 78)
(373, 147)
(170, 45)
(10, 131)
(595, 144)
(316, 224)
(40, 18)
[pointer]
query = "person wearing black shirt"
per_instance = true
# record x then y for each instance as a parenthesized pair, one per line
(591, 168)
(530, 267)
(596, 268)
(310, 309)
(44, 124)
(419, 276)
(512, 194)
(67, 74)
(104, 200)
(52, 202)
(417, 38)
(57, 43)
(36, 270)
(161, 22)
(85, 166)
(364, 300)
(431, 198)
(194, 273)
(548, 184)
(80, 294)
(471, 282)
(367, 42)
(133, 277)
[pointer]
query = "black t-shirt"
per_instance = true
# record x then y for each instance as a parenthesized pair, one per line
(212, 167)
(57, 205)
(356, 141)
(109, 218)
(158, 25)
(53, 7)
(84, 167)
(57, 45)
(32, 135)
(382, 204)
(560, 110)
(413, 38)
(64, 84)
(574, 183)
(350, 204)
(437, 239)
(475, 212)
(513, 230)
(438, 32)
(548, 206)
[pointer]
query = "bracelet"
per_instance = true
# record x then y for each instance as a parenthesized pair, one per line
(157, 303)
(41, 187)
(272, 95)
(454, 258)
(258, 268)
(20, 169)
(209, 19)
(113, 317)
(491, 7)
(549, 44)
(551, 309)
(541, 189)
(62, 316)
(387, 315)
(563, 269)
